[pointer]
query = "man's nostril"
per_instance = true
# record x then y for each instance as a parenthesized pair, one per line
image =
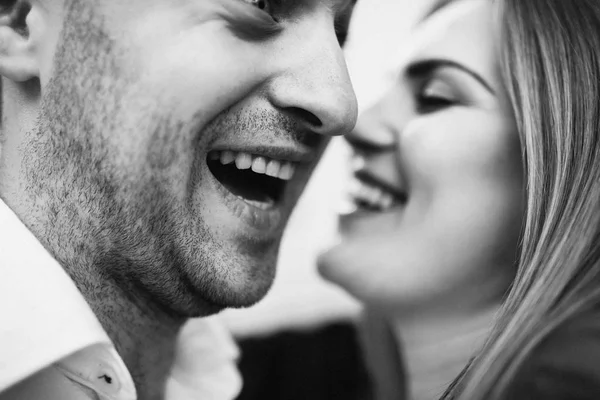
(305, 116)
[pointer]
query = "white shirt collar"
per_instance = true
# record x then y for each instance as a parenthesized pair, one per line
(46, 321)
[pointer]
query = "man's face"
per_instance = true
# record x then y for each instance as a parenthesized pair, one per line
(175, 137)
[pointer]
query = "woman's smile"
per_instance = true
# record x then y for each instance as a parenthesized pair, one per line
(437, 182)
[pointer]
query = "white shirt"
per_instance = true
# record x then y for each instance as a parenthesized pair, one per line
(52, 346)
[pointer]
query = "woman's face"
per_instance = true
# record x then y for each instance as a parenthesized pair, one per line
(438, 184)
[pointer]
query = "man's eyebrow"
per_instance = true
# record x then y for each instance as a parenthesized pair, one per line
(426, 67)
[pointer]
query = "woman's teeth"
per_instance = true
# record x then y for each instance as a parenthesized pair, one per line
(372, 196)
(261, 165)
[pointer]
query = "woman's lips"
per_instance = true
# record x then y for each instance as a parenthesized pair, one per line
(370, 205)
(368, 194)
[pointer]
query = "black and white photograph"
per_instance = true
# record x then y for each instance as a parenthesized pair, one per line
(299, 199)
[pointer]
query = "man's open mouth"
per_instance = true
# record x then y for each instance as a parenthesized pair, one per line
(255, 179)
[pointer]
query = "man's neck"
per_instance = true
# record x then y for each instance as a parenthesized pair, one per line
(436, 348)
(144, 336)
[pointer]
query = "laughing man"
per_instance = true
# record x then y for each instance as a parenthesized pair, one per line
(151, 153)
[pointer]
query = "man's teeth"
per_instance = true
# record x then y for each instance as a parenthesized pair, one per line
(261, 165)
(373, 196)
(243, 161)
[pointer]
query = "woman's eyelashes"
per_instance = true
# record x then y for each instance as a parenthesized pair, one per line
(435, 94)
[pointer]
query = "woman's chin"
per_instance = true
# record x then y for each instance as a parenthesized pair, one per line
(370, 269)
(326, 265)
(341, 267)
(330, 264)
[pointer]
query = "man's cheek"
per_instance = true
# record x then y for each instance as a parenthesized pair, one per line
(189, 66)
(202, 79)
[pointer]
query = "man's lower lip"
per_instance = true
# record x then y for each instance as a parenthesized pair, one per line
(266, 221)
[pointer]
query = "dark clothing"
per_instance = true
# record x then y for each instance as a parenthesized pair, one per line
(566, 366)
(322, 364)
(328, 364)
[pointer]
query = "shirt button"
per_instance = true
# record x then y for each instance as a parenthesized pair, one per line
(92, 367)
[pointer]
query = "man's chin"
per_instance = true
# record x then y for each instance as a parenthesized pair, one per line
(241, 296)
(232, 290)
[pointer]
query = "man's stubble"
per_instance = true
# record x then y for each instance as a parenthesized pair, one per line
(105, 217)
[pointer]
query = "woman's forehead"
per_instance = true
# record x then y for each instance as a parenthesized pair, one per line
(462, 32)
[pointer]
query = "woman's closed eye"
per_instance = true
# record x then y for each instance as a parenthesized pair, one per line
(435, 94)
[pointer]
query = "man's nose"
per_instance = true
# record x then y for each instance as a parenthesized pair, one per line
(313, 85)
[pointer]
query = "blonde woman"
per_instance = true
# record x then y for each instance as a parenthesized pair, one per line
(477, 188)
(545, 343)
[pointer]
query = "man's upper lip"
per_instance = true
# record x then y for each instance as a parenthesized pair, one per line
(369, 177)
(292, 153)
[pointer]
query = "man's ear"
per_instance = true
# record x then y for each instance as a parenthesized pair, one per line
(18, 58)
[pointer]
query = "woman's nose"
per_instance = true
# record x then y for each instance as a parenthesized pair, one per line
(372, 133)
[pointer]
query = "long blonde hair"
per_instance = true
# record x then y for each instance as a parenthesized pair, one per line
(550, 56)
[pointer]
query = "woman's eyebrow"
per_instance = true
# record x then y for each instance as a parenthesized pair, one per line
(426, 67)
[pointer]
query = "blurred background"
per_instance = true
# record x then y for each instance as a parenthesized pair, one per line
(295, 340)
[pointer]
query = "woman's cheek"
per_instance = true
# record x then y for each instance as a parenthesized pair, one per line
(459, 148)
(465, 192)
